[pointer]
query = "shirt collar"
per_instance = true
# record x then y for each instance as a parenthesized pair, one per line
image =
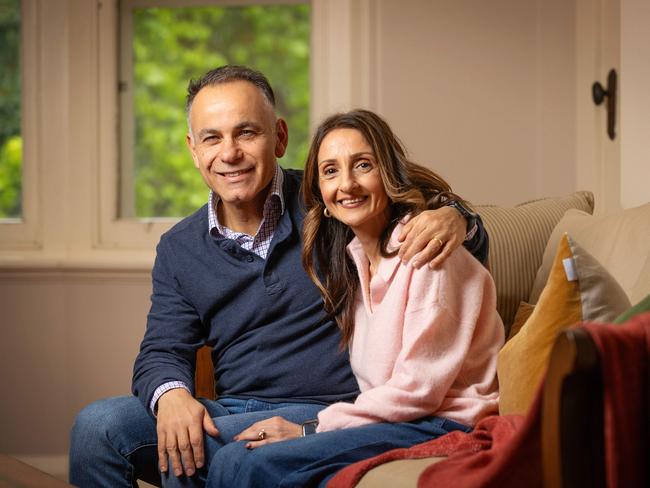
(387, 265)
(274, 192)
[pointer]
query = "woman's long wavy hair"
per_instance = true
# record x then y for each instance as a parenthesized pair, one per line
(410, 187)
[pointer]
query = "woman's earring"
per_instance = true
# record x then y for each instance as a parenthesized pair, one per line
(327, 213)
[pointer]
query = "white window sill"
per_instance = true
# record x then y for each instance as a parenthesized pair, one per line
(103, 262)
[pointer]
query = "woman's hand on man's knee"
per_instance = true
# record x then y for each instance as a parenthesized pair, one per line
(267, 431)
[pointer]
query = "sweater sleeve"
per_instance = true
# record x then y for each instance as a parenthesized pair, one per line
(478, 242)
(437, 336)
(173, 334)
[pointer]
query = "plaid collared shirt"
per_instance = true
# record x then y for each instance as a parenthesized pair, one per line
(273, 209)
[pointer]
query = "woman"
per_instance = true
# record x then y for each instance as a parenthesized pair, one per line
(422, 342)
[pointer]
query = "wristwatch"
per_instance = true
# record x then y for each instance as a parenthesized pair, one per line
(470, 217)
(309, 427)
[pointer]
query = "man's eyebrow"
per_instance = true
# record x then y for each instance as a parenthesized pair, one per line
(247, 124)
(206, 132)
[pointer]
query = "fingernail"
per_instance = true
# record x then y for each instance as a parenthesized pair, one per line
(248, 446)
(178, 472)
(199, 464)
(190, 472)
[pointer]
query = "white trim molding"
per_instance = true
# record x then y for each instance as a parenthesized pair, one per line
(344, 59)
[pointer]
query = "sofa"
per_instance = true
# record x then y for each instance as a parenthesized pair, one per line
(554, 264)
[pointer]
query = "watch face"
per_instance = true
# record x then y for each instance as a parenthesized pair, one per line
(464, 212)
(309, 427)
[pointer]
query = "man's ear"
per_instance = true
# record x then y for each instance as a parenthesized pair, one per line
(190, 145)
(281, 138)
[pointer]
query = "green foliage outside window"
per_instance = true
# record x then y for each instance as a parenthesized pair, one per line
(172, 45)
(10, 138)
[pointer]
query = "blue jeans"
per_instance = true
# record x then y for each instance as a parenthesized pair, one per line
(313, 460)
(113, 441)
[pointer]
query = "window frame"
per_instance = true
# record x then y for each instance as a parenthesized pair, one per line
(24, 232)
(70, 127)
(114, 230)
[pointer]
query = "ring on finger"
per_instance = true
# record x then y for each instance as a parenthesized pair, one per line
(442, 244)
(261, 435)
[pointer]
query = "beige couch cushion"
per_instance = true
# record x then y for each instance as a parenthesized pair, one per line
(619, 241)
(403, 472)
(518, 236)
(578, 288)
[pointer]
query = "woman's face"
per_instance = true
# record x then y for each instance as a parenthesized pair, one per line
(350, 183)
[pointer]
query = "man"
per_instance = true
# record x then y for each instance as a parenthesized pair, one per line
(230, 276)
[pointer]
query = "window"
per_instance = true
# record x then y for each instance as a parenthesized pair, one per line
(10, 111)
(161, 48)
(71, 210)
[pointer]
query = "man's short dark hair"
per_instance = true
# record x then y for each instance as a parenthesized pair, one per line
(228, 73)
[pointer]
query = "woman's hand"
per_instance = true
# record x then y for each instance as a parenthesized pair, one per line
(268, 431)
(431, 236)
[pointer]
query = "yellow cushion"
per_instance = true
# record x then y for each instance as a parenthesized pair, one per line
(523, 313)
(578, 288)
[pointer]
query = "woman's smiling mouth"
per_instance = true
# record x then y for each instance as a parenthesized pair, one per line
(352, 202)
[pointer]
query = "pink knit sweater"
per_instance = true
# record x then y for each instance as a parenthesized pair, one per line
(425, 343)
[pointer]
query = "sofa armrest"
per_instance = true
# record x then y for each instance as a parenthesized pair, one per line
(572, 414)
(204, 374)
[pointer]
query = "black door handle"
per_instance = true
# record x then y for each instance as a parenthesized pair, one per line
(598, 93)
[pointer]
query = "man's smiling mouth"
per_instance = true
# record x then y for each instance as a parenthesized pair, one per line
(234, 174)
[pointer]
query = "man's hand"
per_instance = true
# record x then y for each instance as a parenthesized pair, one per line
(431, 236)
(181, 420)
(268, 431)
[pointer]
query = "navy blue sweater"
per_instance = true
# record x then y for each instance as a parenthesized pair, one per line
(264, 318)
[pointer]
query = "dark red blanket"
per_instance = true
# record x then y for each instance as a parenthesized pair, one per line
(625, 353)
(505, 451)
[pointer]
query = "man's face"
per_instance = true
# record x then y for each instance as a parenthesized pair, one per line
(235, 139)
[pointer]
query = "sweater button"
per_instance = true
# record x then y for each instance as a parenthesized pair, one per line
(250, 259)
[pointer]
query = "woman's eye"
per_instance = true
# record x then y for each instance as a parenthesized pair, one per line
(364, 165)
(329, 172)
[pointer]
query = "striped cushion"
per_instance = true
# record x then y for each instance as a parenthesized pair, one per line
(518, 237)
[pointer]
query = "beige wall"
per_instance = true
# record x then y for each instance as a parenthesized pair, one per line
(635, 103)
(483, 92)
(68, 338)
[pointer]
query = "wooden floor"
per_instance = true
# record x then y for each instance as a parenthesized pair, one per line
(14, 473)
